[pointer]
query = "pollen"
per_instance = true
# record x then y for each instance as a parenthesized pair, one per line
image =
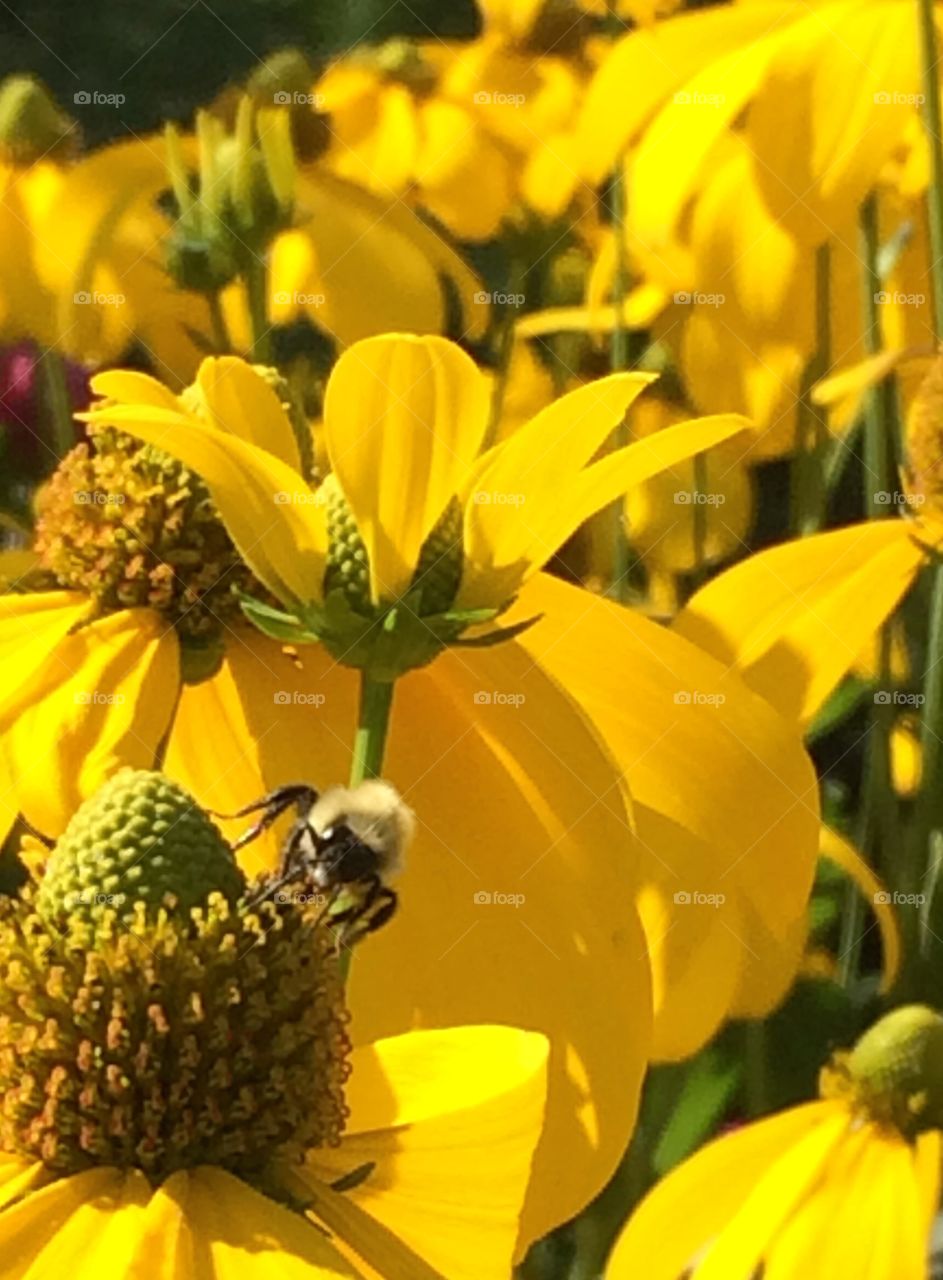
(924, 438)
(161, 1044)
(130, 526)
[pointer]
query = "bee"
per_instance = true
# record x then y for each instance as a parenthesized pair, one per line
(346, 842)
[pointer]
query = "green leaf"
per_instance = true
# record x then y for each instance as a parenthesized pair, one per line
(275, 624)
(712, 1081)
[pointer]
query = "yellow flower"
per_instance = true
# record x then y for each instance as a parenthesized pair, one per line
(195, 1092)
(839, 1186)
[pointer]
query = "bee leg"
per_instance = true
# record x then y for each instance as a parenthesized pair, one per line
(376, 908)
(272, 806)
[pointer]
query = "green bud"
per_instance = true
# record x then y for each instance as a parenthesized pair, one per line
(897, 1068)
(31, 124)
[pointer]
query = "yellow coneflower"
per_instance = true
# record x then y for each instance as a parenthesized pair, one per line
(846, 1185)
(178, 1091)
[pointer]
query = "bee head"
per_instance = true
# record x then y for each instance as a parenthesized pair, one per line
(372, 815)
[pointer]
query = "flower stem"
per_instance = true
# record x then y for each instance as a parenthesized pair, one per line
(811, 428)
(620, 357)
(376, 701)
(57, 403)
(221, 339)
(256, 281)
(930, 57)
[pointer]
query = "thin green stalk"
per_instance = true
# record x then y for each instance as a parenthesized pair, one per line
(809, 492)
(699, 519)
(928, 818)
(256, 281)
(620, 357)
(57, 403)
(930, 59)
(879, 405)
(376, 702)
(516, 278)
(373, 724)
(221, 340)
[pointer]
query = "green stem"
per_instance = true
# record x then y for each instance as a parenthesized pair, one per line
(516, 280)
(256, 281)
(699, 520)
(879, 405)
(620, 357)
(221, 340)
(809, 501)
(57, 402)
(930, 57)
(376, 702)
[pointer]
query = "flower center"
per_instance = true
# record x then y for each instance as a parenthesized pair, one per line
(163, 1045)
(894, 1074)
(131, 527)
(155, 1013)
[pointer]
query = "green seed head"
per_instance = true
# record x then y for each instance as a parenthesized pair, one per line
(140, 839)
(895, 1071)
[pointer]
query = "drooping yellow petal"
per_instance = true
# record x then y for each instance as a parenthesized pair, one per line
(105, 699)
(839, 851)
(32, 626)
(695, 1202)
(502, 901)
(693, 741)
(449, 1120)
(402, 416)
(647, 66)
(238, 401)
(221, 1229)
(795, 618)
(517, 492)
(83, 1226)
(279, 526)
(130, 386)
(17, 1176)
(844, 392)
(792, 1174)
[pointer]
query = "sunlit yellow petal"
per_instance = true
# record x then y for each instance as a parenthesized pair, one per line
(694, 1203)
(31, 628)
(277, 524)
(546, 848)
(402, 415)
(795, 618)
(106, 700)
(239, 402)
(449, 1121)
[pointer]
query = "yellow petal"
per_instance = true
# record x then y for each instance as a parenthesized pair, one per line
(402, 415)
(844, 392)
(31, 629)
(17, 1176)
(795, 618)
(792, 1175)
(547, 822)
(277, 523)
(220, 1229)
(449, 1120)
(240, 402)
(839, 851)
(106, 700)
(128, 386)
(693, 742)
(657, 62)
(696, 1201)
(516, 496)
(84, 1226)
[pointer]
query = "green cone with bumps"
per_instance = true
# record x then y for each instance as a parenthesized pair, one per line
(896, 1068)
(140, 839)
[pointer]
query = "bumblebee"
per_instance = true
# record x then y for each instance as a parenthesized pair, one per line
(346, 842)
